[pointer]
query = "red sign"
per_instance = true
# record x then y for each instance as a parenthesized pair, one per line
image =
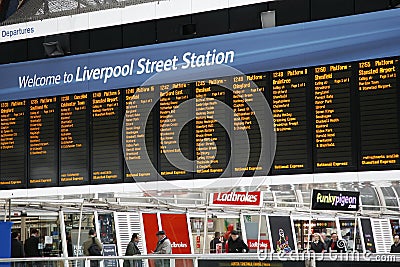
(177, 231)
(262, 244)
(150, 224)
(176, 228)
(236, 198)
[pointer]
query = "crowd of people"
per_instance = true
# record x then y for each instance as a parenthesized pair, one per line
(230, 242)
(321, 243)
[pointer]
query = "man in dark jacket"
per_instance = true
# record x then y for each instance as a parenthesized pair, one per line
(213, 243)
(32, 244)
(395, 248)
(17, 249)
(131, 250)
(236, 244)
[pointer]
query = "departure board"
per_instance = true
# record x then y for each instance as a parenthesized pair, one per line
(211, 137)
(246, 89)
(338, 117)
(379, 113)
(332, 107)
(106, 137)
(139, 137)
(175, 133)
(43, 142)
(290, 89)
(13, 144)
(74, 142)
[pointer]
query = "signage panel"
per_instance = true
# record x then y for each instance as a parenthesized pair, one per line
(335, 200)
(236, 198)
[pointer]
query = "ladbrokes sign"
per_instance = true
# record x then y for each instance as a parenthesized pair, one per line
(236, 198)
(335, 200)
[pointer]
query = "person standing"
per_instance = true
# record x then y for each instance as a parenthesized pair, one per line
(17, 249)
(213, 243)
(317, 245)
(132, 249)
(32, 244)
(163, 247)
(92, 247)
(395, 248)
(236, 244)
(31, 247)
(333, 244)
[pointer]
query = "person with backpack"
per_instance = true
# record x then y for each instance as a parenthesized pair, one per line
(92, 247)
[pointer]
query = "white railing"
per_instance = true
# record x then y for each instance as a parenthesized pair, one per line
(309, 258)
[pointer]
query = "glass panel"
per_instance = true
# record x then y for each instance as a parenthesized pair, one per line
(347, 228)
(223, 226)
(256, 232)
(284, 194)
(390, 197)
(369, 198)
(197, 225)
(72, 233)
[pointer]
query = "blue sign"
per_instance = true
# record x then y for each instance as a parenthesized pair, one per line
(5, 242)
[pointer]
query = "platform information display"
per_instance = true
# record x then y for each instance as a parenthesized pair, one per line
(74, 142)
(338, 117)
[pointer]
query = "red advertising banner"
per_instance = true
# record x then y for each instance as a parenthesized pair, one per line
(176, 229)
(150, 224)
(236, 198)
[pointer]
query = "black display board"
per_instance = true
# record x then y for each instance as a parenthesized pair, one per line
(228, 263)
(43, 142)
(290, 102)
(333, 132)
(378, 97)
(175, 132)
(211, 137)
(13, 152)
(139, 140)
(245, 91)
(74, 141)
(106, 137)
(338, 117)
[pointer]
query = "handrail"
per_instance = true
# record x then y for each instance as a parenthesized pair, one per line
(351, 256)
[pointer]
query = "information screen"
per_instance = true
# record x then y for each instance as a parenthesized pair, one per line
(338, 117)
(139, 137)
(74, 142)
(211, 137)
(379, 113)
(43, 142)
(175, 132)
(106, 137)
(246, 88)
(13, 144)
(290, 101)
(332, 105)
